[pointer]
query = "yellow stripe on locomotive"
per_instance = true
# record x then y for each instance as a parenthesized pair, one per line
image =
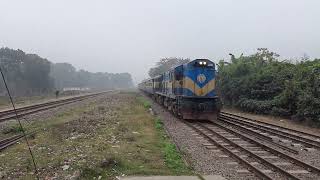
(189, 84)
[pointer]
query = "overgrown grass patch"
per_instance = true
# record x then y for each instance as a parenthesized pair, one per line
(144, 101)
(173, 158)
(13, 128)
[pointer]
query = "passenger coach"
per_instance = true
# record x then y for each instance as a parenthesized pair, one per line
(187, 90)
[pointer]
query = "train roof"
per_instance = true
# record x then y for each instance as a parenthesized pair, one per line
(192, 62)
(185, 64)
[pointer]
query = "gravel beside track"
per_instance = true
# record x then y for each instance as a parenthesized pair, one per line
(200, 158)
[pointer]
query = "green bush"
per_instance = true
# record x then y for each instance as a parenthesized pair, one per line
(261, 83)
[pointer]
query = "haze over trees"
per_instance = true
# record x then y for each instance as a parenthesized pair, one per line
(65, 75)
(29, 74)
(25, 73)
(261, 83)
(165, 64)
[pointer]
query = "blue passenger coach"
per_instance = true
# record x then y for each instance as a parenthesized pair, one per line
(187, 90)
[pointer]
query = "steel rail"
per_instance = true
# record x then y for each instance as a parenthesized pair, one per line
(44, 106)
(10, 111)
(9, 139)
(281, 154)
(267, 163)
(258, 136)
(38, 110)
(273, 125)
(292, 137)
(12, 140)
(255, 170)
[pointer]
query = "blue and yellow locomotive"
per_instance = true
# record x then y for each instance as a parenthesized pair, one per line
(187, 90)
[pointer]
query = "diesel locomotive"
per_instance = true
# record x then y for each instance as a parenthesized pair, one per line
(188, 90)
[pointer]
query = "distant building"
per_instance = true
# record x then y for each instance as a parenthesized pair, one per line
(76, 89)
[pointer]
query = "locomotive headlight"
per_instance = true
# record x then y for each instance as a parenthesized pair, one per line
(200, 62)
(204, 63)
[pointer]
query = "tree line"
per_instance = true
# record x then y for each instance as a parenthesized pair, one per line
(165, 64)
(65, 75)
(29, 74)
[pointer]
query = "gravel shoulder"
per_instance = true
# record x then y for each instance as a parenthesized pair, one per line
(203, 161)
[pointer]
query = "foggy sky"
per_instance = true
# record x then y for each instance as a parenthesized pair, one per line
(131, 35)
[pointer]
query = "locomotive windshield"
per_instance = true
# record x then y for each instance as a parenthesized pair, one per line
(204, 63)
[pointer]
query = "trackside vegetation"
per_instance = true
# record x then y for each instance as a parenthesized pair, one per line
(143, 101)
(264, 84)
(173, 158)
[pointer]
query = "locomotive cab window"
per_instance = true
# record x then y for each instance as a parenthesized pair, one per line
(204, 63)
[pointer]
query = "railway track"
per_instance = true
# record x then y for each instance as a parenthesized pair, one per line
(272, 132)
(258, 159)
(27, 110)
(12, 140)
(257, 150)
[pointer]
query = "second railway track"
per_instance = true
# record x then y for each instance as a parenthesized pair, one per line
(12, 140)
(273, 132)
(259, 159)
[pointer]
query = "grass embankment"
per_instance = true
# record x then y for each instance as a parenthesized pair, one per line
(173, 157)
(115, 136)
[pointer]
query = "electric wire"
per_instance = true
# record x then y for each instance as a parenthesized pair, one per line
(21, 127)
